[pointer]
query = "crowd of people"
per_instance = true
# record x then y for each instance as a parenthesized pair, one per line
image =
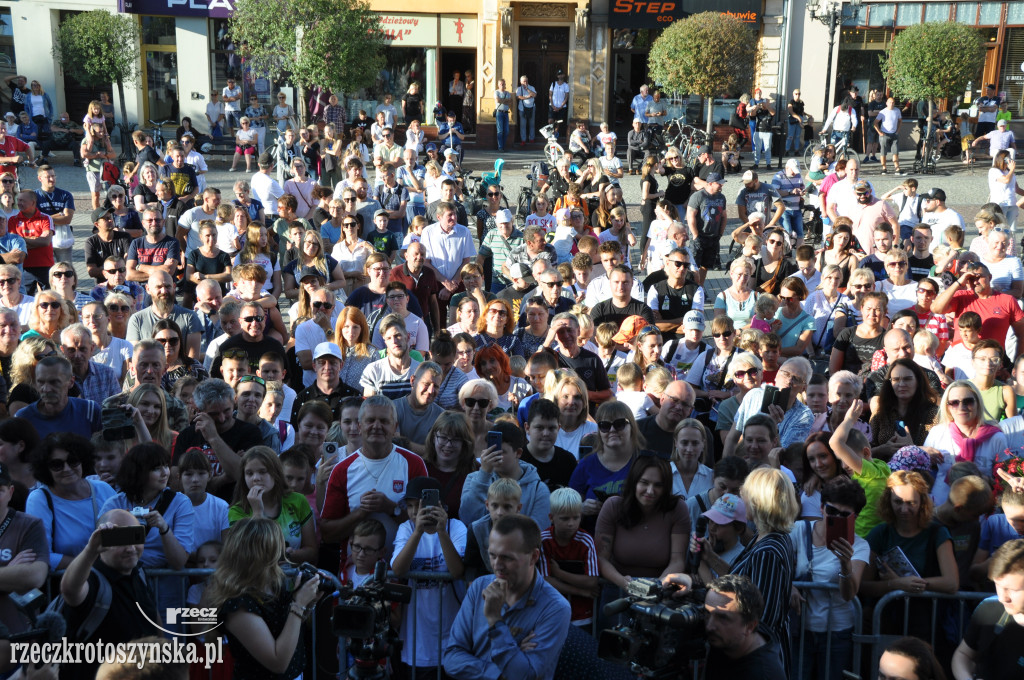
(331, 366)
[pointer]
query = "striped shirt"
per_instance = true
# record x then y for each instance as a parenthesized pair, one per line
(769, 563)
(580, 551)
(379, 377)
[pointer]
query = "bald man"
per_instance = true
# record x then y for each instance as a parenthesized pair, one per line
(160, 287)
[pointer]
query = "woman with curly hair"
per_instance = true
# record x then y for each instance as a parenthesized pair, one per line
(449, 456)
(50, 315)
(250, 592)
(23, 371)
(496, 327)
(352, 334)
(905, 397)
(492, 364)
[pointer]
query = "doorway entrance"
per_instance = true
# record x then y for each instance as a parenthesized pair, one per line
(452, 61)
(543, 50)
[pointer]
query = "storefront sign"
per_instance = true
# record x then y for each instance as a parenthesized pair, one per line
(214, 9)
(661, 13)
(410, 29)
(458, 30)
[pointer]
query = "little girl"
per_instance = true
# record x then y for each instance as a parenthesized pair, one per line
(564, 236)
(94, 115)
(414, 137)
(540, 217)
(731, 153)
(657, 237)
(926, 344)
(606, 138)
(206, 558)
(416, 227)
(765, 308)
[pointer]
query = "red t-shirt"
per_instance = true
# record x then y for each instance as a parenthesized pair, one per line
(9, 147)
(35, 226)
(579, 557)
(998, 312)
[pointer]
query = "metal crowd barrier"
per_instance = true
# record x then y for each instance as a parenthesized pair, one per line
(158, 578)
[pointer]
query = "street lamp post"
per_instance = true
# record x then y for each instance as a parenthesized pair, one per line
(832, 16)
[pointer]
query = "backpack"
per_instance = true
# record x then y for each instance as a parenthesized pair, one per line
(903, 202)
(110, 173)
(96, 614)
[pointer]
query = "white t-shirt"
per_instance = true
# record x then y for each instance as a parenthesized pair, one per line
(211, 518)
(889, 120)
(823, 567)
(436, 602)
(115, 355)
(547, 222)
(939, 221)
(227, 232)
(269, 266)
(638, 402)
(998, 192)
(610, 165)
(570, 441)
(1005, 273)
(958, 357)
(232, 92)
(418, 336)
(307, 336)
(599, 290)
(900, 297)
(984, 457)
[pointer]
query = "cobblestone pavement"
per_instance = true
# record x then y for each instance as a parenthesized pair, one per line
(966, 192)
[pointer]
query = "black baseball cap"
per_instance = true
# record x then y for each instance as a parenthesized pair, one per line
(935, 193)
(416, 486)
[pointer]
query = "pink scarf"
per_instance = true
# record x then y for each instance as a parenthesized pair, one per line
(969, 446)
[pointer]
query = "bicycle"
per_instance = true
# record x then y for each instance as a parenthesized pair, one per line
(675, 131)
(524, 201)
(158, 134)
(552, 149)
(928, 159)
(841, 146)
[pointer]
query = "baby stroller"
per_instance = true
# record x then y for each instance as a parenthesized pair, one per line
(951, 149)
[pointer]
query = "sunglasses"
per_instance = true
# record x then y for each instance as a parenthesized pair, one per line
(63, 274)
(251, 319)
(350, 224)
(494, 311)
(6, 181)
(235, 354)
(119, 308)
(168, 341)
(966, 402)
(7, 282)
(43, 355)
(726, 334)
(253, 378)
(493, 193)
(477, 403)
(677, 263)
(609, 425)
(833, 511)
(348, 199)
(49, 305)
(57, 464)
(319, 305)
(647, 330)
(740, 375)
(901, 264)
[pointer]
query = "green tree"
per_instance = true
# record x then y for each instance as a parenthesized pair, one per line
(709, 54)
(331, 43)
(933, 61)
(98, 48)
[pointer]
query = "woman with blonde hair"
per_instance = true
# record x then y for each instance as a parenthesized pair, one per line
(603, 473)
(50, 315)
(22, 376)
(352, 335)
(330, 154)
(257, 249)
(737, 301)
(312, 254)
(119, 308)
(986, 220)
(569, 393)
(478, 397)
(152, 405)
(248, 589)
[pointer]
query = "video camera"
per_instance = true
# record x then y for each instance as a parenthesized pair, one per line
(364, 617)
(662, 634)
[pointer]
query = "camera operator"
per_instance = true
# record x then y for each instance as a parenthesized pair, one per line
(261, 615)
(511, 624)
(733, 605)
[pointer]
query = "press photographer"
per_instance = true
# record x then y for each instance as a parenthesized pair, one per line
(261, 614)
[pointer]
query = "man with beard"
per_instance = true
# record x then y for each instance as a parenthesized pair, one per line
(96, 381)
(251, 340)
(55, 411)
(756, 196)
(391, 376)
(156, 251)
(705, 218)
(869, 213)
(160, 287)
(148, 366)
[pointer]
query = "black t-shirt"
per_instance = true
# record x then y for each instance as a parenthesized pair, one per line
(762, 275)
(148, 195)
(239, 438)
(920, 266)
(254, 350)
(589, 368)
(764, 663)
(413, 107)
(656, 438)
(18, 96)
(218, 264)
(998, 642)
(706, 170)
(858, 351)
(674, 303)
(97, 250)
(556, 472)
(710, 212)
(798, 108)
(678, 185)
(146, 154)
(606, 311)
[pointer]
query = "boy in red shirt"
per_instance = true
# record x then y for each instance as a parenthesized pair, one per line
(569, 556)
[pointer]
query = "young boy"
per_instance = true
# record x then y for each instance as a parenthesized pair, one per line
(211, 513)
(816, 394)
(383, 241)
(920, 257)
(568, 557)
(293, 243)
(298, 475)
(107, 459)
(970, 499)
(957, 360)
(630, 379)
(554, 464)
(926, 344)
(428, 541)
(771, 347)
(909, 206)
(503, 498)
(272, 368)
(883, 236)
(997, 530)
(853, 449)
(582, 273)
(683, 351)
(608, 350)
(807, 273)
(365, 548)
(504, 462)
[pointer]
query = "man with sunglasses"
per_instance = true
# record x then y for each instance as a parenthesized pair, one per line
(251, 339)
(154, 252)
(973, 292)
(55, 411)
(673, 298)
(112, 273)
(313, 332)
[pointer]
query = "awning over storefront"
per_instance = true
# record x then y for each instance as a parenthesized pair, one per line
(214, 9)
(659, 14)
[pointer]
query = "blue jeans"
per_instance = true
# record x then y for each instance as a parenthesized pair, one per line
(793, 222)
(816, 647)
(762, 147)
(526, 118)
(502, 125)
(840, 134)
(794, 138)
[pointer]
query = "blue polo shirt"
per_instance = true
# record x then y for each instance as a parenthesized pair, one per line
(80, 416)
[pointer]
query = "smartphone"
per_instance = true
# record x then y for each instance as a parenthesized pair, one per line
(839, 527)
(430, 498)
(585, 451)
(901, 428)
(493, 439)
(117, 536)
(601, 495)
(329, 449)
(773, 395)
